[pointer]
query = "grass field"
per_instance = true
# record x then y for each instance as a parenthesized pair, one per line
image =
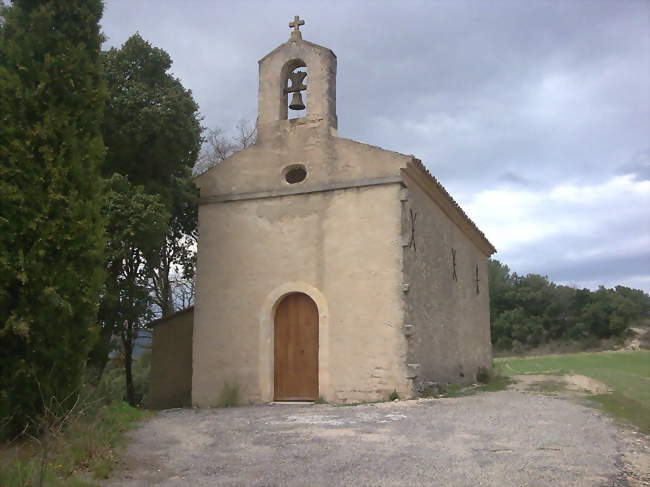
(627, 374)
(79, 457)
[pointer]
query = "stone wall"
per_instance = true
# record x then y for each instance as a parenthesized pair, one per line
(446, 322)
(170, 381)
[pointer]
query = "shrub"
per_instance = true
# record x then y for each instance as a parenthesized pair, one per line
(63, 456)
(112, 384)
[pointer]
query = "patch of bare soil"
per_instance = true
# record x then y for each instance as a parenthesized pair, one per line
(636, 342)
(634, 463)
(566, 386)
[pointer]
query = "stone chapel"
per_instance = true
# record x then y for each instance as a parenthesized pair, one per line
(327, 268)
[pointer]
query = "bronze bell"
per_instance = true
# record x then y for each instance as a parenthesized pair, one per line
(296, 101)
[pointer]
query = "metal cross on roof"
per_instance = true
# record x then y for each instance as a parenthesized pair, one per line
(295, 25)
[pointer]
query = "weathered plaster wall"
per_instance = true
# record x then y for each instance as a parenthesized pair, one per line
(170, 382)
(321, 84)
(448, 322)
(328, 160)
(341, 247)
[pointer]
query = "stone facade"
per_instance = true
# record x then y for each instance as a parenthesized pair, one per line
(391, 315)
(447, 314)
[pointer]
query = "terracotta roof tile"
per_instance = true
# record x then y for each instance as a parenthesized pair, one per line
(451, 200)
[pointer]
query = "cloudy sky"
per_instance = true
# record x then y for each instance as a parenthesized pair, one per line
(535, 115)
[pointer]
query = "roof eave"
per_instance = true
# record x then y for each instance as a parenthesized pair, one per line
(417, 171)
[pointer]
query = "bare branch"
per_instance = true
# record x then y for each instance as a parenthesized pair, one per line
(218, 146)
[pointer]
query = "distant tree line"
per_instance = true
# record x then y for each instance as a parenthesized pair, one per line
(530, 310)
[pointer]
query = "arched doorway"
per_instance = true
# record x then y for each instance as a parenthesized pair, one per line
(296, 349)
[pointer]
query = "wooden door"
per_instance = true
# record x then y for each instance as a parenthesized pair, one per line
(296, 349)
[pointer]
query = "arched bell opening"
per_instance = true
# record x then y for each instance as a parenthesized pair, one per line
(294, 93)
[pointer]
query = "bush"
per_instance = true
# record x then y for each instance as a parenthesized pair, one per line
(112, 384)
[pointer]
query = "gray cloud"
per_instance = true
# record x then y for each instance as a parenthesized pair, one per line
(639, 166)
(492, 96)
(583, 269)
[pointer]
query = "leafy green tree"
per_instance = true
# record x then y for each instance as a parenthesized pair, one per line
(136, 224)
(517, 326)
(609, 312)
(51, 100)
(151, 127)
(499, 281)
(638, 302)
(531, 310)
(176, 259)
(153, 135)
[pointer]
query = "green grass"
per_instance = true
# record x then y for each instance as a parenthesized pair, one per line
(81, 454)
(626, 373)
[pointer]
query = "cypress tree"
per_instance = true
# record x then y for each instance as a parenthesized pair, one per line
(51, 240)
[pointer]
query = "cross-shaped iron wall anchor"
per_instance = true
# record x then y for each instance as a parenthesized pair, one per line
(414, 216)
(453, 262)
(477, 281)
(295, 25)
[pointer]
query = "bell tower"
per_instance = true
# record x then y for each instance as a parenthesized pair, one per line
(297, 77)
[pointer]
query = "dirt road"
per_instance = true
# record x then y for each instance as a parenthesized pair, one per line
(500, 439)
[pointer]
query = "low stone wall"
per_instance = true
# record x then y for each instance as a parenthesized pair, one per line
(170, 382)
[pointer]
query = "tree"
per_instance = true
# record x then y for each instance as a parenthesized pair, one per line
(136, 223)
(531, 310)
(219, 146)
(499, 281)
(152, 127)
(176, 258)
(51, 102)
(153, 135)
(638, 301)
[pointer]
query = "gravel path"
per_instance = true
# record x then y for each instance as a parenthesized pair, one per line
(492, 439)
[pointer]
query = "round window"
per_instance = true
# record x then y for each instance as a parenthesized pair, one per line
(295, 174)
